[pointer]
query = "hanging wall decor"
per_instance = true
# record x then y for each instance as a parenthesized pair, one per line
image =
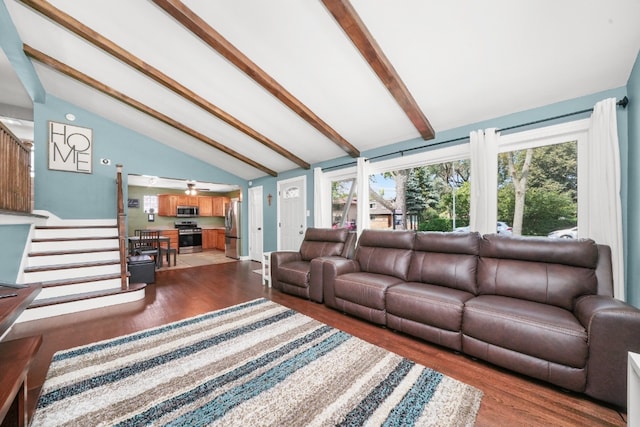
(70, 148)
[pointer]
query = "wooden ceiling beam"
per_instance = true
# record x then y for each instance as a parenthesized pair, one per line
(93, 37)
(356, 30)
(181, 13)
(95, 84)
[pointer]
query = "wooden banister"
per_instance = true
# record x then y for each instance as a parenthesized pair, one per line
(124, 283)
(15, 172)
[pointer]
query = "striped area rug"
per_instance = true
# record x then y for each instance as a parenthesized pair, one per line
(253, 364)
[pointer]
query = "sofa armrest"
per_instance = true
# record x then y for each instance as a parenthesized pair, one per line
(316, 281)
(333, 267)
(613, 329)
(279, 258)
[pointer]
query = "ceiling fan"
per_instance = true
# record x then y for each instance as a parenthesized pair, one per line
(192, 190)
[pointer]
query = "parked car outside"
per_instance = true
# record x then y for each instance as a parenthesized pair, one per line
(567, 233)
(501, 228)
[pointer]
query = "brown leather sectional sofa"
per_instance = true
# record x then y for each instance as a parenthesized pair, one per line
(539, 307)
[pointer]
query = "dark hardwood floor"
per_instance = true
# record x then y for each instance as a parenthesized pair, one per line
(509, 399)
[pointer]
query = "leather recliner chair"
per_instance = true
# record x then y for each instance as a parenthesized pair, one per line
(291, 271)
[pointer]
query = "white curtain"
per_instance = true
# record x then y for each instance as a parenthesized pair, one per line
(362, 189)
(320, 205)
(603, 207)
(484, 181)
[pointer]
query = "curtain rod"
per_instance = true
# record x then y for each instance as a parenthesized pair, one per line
(622, 103)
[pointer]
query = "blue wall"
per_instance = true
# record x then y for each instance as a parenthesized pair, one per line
(632, 231)
(13, 238)
(78, 195)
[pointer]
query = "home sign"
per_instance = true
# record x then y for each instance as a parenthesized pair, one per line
(70, 148)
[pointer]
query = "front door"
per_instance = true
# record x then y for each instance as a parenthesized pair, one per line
(292, 208)
(255, 223)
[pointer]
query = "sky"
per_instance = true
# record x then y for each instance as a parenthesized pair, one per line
(387, 184)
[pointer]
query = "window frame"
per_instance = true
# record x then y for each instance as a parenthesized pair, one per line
(577, 130)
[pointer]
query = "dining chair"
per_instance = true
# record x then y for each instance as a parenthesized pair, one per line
(148, 243)
(165, 251)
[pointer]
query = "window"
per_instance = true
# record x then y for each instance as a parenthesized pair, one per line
(538, 189)
(426, 191)
(337, 200)
(150, 203)
(344, 203)
(539, 178)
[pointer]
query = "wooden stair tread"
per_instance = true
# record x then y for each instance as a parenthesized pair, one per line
(86, 295)
(73, 252)
(77, 280)
(40, 268)
(72, 239)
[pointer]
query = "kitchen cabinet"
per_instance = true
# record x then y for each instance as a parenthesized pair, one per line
(220, 240)
(219, 204)
(168, 204)
(209, 238)
(213, 239)
(172, 235)
(184, 200)
(205, 203)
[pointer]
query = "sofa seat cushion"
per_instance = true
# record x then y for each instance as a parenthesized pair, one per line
(543, 331)
(295, 273)
(366, 289)
(428, 304)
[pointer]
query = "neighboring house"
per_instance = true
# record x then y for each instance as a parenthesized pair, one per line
(381, 217)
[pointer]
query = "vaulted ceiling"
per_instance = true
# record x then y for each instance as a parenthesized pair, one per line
(259, 87)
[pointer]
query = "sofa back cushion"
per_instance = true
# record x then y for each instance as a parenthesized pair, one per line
(385, 252)
(446, 259)
(320, 242)
(548, 271)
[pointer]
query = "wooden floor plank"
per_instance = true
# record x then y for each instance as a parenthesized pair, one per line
(509, 399)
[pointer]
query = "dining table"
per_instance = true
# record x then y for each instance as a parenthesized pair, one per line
(161, 240)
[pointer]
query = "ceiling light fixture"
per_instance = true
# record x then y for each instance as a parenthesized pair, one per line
(191, 191)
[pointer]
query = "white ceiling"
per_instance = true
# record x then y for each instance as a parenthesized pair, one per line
(178, 184)
(462, 61)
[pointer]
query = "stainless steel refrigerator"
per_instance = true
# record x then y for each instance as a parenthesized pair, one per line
(232, 234)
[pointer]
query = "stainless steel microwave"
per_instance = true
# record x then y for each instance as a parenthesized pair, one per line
(187, 211)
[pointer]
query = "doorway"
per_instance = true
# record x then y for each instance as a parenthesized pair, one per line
(292, 208)
(255, 224)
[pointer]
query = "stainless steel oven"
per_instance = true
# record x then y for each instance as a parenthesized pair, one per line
(189, 237)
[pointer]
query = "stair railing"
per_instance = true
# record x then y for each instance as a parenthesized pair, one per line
(15, 172)
(124, 283)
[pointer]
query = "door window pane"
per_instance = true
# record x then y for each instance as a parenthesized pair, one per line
(538, 190)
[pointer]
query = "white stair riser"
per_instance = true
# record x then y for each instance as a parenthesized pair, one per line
(71, 273)
(74, 245)
(74, 232)
(77, 306)
(38, 261)
(78, 288)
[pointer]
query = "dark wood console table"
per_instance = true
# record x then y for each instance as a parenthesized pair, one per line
(15, 358)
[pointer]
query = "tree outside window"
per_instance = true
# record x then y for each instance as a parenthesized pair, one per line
(538, 188)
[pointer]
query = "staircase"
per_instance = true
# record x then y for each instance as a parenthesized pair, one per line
(78, 265)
